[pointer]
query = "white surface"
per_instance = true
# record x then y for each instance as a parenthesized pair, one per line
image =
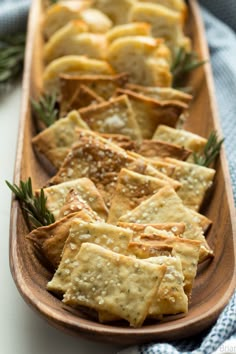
(21, 330)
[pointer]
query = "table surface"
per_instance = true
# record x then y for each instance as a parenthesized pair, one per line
(21, 330)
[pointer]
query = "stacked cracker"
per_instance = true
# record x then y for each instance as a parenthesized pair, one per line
(128, 235)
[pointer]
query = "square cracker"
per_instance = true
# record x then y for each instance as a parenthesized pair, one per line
(143, 250)
(131, 189)
(50, 240)
(114, 283)
(108, 236)
(104, 85)
(56, 196)
(171, 298)
(101, 161)
(55, 142)
(82, 97)
(151, 113)
(186, 250)
(195, 181)
(166, 206)
(113, 117)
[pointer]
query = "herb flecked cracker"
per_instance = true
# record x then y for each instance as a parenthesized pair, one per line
(166, 206)
(108, 236)
(114, 283)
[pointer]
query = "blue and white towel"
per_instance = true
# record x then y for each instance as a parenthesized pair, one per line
(220, 21)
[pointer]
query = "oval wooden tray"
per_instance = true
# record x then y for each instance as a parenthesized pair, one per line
(215, 282)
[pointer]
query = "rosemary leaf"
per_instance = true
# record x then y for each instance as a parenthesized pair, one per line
(183, 63)
(46, 108)
(33, 206)
(12, 50)
(210, 152)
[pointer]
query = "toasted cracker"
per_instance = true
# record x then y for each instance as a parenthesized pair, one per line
(164, 229)
(131, 189)
(161, 93)
(166, 206)
(129, 29)
(82, 97)
(186, 250)
(113, 117)
(56, 196)
(55, 142)
(101, 161)
(115, 283)
(151, 113)
(180, 137)
(171, 298)
(50, 240)
(156, 149)
(143, 250)
(195, 181)
(104, 85)
(108, 236)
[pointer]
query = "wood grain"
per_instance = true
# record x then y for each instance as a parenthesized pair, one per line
(216, 280)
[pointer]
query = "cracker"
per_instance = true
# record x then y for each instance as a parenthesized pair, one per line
(108, 236)
(82, 97)
(171, 298)
(101, 161)
(151, 113)
(122, 141)
(186, 250)
(56, 196)
(195, 181)
(161, 93)
(115, 283)
(105, 86)
(144, 250)
(113, 117)
(166, 206)
(129, 29)
(55, 142)
(50, 240)
(131, 189)
(156, 149)
(180, 137)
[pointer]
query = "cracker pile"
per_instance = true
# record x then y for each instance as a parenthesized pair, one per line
(126, 195)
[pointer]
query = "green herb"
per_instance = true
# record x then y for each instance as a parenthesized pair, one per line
(184, 62)
(46, 108)
(33, 205)
(210, 152)
(12, 49)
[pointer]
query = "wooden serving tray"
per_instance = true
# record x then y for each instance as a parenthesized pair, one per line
(216, 280)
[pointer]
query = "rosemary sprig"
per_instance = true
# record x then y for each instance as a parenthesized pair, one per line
(12, 50)
(34, 206)
(210, 152)
(183, 63)
(46, 108)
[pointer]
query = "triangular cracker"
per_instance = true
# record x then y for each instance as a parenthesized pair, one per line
(55, 142)
(166, 206)
(104, 85)
(50, 240)
(113, 117)
(151, 113)
(82, 97)
(56, 196)
(111, 237)
(114, 283)
(131, 189)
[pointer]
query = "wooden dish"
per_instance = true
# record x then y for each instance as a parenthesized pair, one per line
(216, 280)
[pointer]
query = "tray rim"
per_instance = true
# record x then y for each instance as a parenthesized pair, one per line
(102, 330)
